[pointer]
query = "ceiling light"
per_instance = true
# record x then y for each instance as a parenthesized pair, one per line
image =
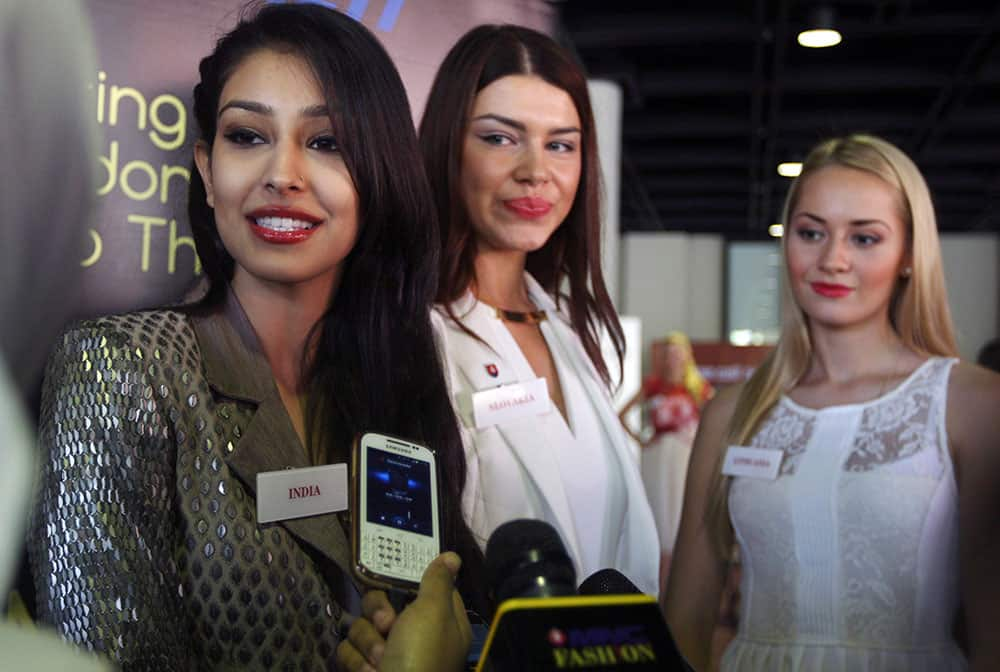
(818, 38)
(776, 230)
(820, 31)
(790, 168)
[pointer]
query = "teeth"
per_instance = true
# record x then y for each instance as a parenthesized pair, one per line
(283, 223)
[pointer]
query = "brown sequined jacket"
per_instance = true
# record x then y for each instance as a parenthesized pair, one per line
(144, 541)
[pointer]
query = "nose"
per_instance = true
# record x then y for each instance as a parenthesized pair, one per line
(533, 168)
(835, 257)
(284, 171)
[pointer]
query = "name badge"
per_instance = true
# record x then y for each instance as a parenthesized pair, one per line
(752, 462)
(296, 493)
(510, 402)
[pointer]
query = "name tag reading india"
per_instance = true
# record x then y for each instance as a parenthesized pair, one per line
(510, 402)
(297, 493)
(752, 462)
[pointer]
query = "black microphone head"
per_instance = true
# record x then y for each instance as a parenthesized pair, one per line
(608, 582)
(526, 558)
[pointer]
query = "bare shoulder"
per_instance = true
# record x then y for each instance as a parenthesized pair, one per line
(973, 390)
(715, 417)
(973, 414)
(968, 378)
(719, 409)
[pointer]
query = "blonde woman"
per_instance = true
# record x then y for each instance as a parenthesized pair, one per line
(671, 397)
(673, 394)
(862, 489)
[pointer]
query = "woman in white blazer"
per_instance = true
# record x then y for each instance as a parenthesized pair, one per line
(509, 142)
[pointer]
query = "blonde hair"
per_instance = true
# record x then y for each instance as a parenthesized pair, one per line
(918, 309)
(693, 381)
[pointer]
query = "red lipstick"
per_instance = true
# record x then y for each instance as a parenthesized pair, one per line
(282, 226)
(529, 207)
(831, 291)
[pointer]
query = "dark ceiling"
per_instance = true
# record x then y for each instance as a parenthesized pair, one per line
(716, 94)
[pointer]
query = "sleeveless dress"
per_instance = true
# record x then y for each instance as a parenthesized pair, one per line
(850, 556)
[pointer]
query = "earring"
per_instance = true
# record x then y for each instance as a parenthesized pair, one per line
(907, 272)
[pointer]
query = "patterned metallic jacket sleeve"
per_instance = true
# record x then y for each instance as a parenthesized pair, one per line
(103, 539)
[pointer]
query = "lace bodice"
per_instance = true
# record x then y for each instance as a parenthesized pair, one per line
(850, 556)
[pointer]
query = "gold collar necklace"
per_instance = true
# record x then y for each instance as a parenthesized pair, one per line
(521, 317)
(516, 316)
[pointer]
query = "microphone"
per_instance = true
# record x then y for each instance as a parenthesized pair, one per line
(608, 582)
(526, 558)
(542, 624)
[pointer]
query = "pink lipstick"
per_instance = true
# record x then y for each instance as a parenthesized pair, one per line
(831, 291)
(529, 207)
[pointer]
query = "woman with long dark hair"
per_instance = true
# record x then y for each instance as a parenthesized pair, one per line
(312, 218)
(509, 142)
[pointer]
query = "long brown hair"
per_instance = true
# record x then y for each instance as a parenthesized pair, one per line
(573, 253)
(918, 309)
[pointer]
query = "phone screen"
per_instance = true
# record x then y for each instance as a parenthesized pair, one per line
(396, 529)
(399, 492)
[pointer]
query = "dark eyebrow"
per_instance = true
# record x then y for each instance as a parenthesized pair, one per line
(249, 106)
(513, 123)
(503, 120)
(319, 110)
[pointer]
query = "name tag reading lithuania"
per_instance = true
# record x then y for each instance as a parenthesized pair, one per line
(296, 493)
(752, 462)
(510, 402)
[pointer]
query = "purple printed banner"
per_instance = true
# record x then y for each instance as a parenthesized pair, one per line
(140, 252)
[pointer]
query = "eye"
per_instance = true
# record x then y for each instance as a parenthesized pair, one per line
(808, 234)
(562, 146)
(244, 137)
(498, 139)
(866, 239)
(324, 143)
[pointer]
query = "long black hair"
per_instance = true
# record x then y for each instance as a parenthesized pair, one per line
(375, 364)
(572, 255)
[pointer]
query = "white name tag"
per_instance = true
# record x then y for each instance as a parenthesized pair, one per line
(296, 493)
(510, 402)
(752, 462)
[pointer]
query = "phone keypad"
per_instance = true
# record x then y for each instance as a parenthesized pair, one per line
(394, 557)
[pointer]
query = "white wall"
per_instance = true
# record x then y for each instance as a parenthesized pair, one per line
(674, 280)
(606, 101)
(631, 379)
(970, 270)
(706, 261)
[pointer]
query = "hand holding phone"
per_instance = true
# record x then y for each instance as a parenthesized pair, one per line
(431, 633)
(397, 530)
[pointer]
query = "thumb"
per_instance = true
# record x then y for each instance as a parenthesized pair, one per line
(439, 577)
(452, 561)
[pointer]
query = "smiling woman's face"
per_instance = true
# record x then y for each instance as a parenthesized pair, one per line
(285, 204)
(521, 162)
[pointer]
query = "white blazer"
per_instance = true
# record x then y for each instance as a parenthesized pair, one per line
(512, 473)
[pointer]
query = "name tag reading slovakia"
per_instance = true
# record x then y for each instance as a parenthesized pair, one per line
(752, 462)
(296, 493)
(510, 402)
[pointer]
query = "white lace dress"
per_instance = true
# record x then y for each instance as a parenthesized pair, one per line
(850, 556)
